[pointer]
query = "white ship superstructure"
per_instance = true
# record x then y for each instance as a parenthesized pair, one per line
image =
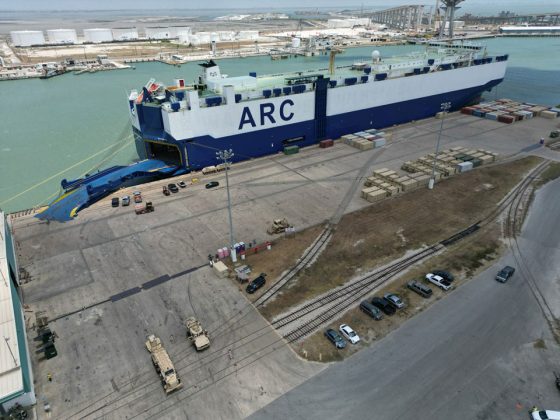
(260, 115)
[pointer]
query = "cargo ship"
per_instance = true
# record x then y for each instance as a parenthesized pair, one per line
(256, 115)
(180, 128)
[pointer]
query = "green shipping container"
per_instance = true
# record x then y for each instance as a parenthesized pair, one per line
(291, 150)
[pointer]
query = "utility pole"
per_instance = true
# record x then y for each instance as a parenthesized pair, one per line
(225, 156)
(445, 107)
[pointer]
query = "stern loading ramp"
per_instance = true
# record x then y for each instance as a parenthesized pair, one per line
(83, 192)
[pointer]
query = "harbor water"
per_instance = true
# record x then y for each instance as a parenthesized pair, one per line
(70, 125)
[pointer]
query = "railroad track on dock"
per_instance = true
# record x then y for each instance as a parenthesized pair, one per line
(331, 305)
(306, 259)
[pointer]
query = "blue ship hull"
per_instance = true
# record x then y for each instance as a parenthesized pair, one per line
(199, 152)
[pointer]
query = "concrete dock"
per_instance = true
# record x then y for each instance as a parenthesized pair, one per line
(110, 277)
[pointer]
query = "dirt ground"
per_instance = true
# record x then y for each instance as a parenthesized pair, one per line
(284, 254)
(464, 260)
(385, 231)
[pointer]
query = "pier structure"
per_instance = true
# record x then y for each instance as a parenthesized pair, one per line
(407, 17)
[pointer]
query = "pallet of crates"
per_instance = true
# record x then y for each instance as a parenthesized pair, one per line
(376, 195)
(421, 178)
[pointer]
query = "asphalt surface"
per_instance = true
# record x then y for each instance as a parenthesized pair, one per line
(484, 352)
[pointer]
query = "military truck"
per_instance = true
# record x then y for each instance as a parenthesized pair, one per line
(163, 365)
(278, 226)
(197, 334)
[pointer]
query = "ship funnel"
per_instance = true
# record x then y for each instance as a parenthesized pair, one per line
(211, 71)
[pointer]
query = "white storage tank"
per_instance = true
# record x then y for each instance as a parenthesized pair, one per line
(98, 35)
(62, 36)
(249, 35)
(157, 32)
(125, 34)
(175, 31)
(204, 37)
(27, 38)
(226, 35)
(296, 42)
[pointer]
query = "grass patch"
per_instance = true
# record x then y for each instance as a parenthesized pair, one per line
(539, 344)
(383, 232)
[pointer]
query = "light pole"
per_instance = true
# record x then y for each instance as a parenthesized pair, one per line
(225, 156)
(445, 107)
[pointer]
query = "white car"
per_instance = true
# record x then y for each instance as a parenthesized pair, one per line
(438, 281)
(545, 414)
(349, 333)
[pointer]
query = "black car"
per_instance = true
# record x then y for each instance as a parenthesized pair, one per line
(212, 184)
(335, 338)
(384, 305)
(256, 284)
(419, 288)
(173, 188)
(505, 273)
(371, 310)
(115, 202)
(444, 274)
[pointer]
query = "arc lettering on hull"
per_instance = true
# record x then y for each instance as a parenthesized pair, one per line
(267, 112)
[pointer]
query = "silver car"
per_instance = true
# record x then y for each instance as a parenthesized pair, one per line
(394, 300)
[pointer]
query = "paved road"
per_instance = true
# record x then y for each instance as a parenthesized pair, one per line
(476, 354)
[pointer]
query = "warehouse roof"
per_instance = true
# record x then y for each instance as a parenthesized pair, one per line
(11, 378)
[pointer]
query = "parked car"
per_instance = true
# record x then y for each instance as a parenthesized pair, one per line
(445, 274)
(256, 284)
(115, 202)
(419, 288)
(166, 190)
(137, 196)
(349, 333)
(505, 273)
(212, 184)
(383, 305)
(537, 414)
(182, 184)
(125, 200)
(173, 188)
(335, 338)
(394, 300)
(371, 310)
(438, 281)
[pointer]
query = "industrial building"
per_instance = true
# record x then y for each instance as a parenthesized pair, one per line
(530, 30)
(16, 378)
(27, 38)
(125, 34)
(157, 32)
(62, 36)
(98, 35)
